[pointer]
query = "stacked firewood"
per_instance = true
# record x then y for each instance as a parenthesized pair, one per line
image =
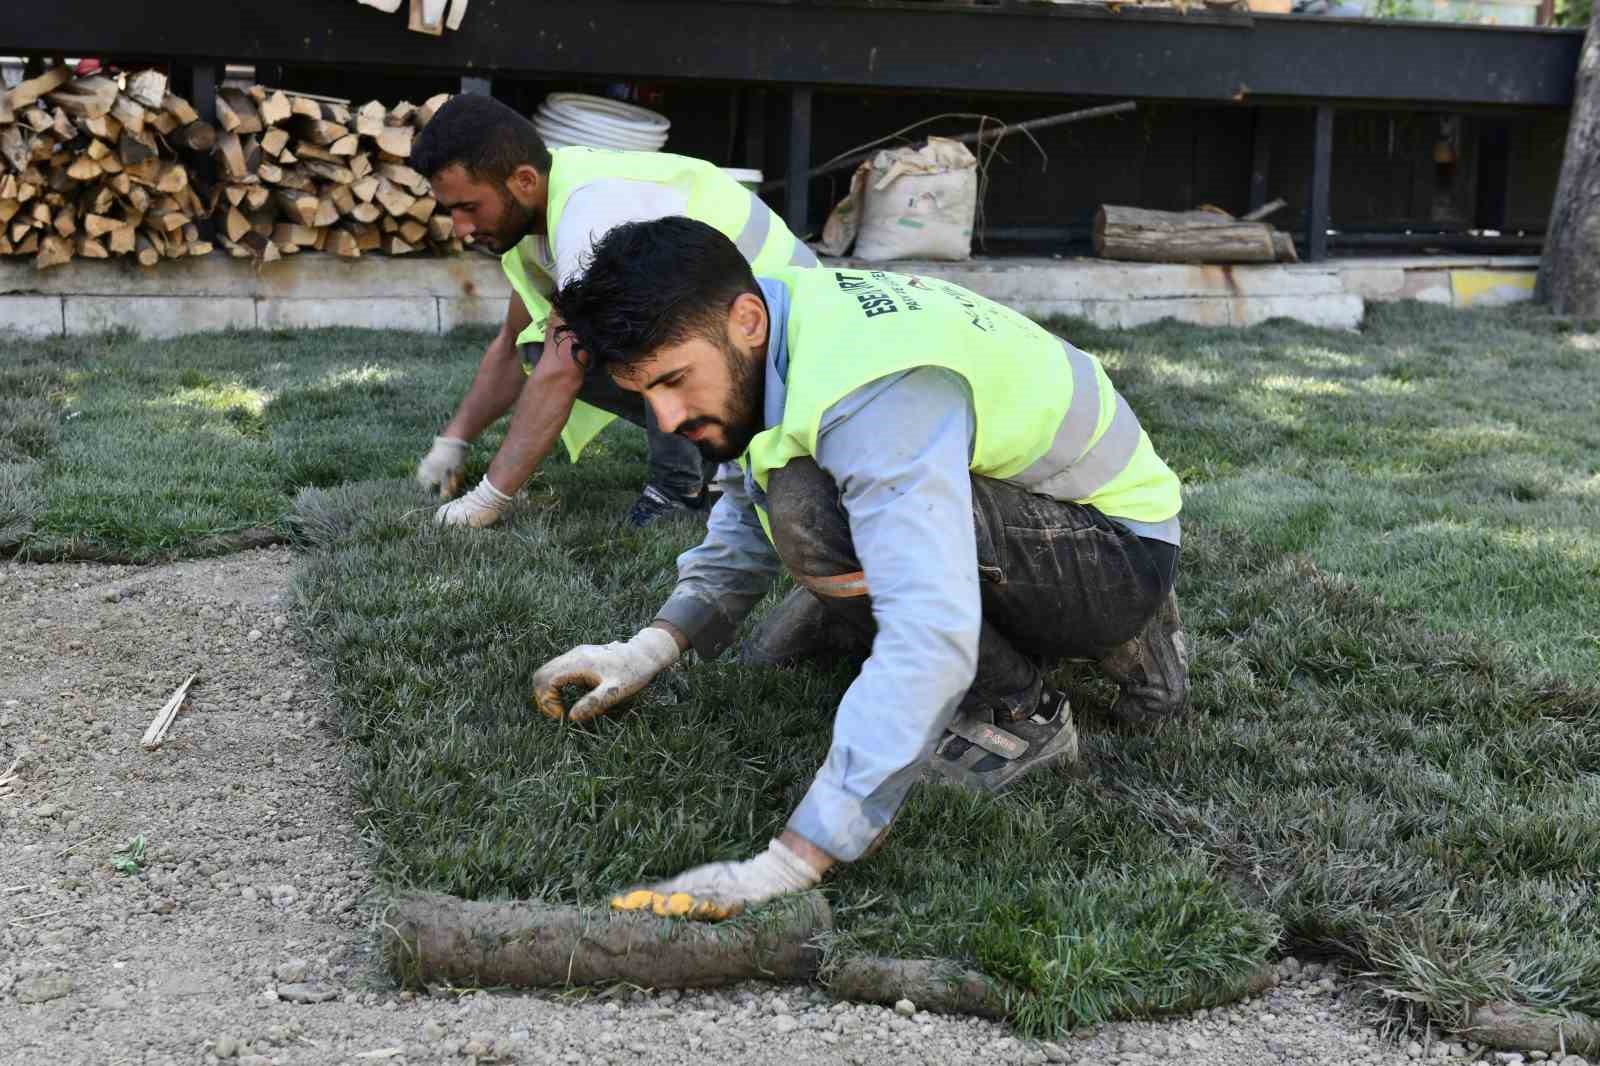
(297, 172)
(95, 167)
(91, 167)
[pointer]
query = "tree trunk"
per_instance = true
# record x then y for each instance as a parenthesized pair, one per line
(1136, 234)
(1569, 271)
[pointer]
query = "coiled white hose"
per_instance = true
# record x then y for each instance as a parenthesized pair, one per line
(565, 119)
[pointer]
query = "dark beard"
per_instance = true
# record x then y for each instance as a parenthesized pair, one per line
(516, 223)
(742, 420)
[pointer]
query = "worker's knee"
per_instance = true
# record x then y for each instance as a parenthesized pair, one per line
(809, 528)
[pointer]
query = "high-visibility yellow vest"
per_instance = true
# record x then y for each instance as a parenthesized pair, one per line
(1048, 417)
(712, 197)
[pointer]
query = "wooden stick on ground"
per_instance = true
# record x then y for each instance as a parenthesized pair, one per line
(163, 720)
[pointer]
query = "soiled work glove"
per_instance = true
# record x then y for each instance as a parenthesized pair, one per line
(478, 508)
(616, 671)
(720, 890)
(440, 471)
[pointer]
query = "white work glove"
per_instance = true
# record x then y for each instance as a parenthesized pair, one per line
(478, 508)
(616, 671)
(440, 471)
(720, 890)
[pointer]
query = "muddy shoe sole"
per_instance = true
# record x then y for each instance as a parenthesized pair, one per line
(989, 757)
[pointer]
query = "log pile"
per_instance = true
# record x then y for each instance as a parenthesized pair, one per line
(93, 167)
(96, 167)
(298, 173)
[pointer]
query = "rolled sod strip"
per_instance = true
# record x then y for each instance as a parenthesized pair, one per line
(1507, 1025)
(436, 938)
(932, 984)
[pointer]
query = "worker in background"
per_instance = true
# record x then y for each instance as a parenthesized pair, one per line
(542, 211)
(959, 496)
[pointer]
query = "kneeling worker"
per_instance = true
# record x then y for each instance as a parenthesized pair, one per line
(950, 486)
(543, 210)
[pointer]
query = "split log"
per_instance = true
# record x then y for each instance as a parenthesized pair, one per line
(443, 939)
(1139, 235)
(149, 87)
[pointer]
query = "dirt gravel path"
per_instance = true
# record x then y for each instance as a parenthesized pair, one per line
(253, 889)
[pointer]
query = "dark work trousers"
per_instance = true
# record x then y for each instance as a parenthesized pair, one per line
(1059, 580)
(674, 464)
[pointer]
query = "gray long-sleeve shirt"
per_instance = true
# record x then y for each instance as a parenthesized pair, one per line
(908, 496)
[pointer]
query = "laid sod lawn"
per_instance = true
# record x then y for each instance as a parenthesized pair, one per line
(124, 449)
(1391, 584)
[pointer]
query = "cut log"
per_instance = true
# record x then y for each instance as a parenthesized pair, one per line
(343, 244)
(413, 232)
(122, 240)
(84, 168)
(440, 228)
(89, 248)
(236, 225)
(86, 97)
(361, 212)
(327, 212)
(406, 178)
(330, 171)
(305, 105)
(365, 188)
(1139, 235)
(342, 198)
(174, 178)
(345, 146)
(429, 108)
(53, 251)
(136, 148)
(394, 200)
(198, 136)
(396, 140)
(422, 210)
(369, 119)
(232, 156)
(20, 96)
(129, 112)
(97, 225)
(396, 246)
(274, 141)
(180, 109)
(360, 165)
(149, 87)
(445, 940)
(257, 197)
(275, 108)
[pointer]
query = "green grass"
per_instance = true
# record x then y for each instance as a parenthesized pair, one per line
(118, 448)
(1392, 757)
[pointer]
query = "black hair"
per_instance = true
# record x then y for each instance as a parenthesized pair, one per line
(484, 137)
(651, 284)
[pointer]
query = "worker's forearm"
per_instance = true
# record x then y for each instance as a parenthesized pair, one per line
(535, 427)
(495, 388)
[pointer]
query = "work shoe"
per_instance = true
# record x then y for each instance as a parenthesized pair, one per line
(1152, 669)
(986, 755)
(655, 504)
(799, 629)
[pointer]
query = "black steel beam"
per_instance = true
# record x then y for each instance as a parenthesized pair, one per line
(1321, 180)
(797, 163)
(1054, 50)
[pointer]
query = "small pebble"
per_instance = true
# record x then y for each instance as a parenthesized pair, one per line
(905, 1008)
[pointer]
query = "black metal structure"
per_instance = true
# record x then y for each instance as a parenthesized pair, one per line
(808, 46)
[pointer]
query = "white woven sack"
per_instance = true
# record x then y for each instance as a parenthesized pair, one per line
(919, 203)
